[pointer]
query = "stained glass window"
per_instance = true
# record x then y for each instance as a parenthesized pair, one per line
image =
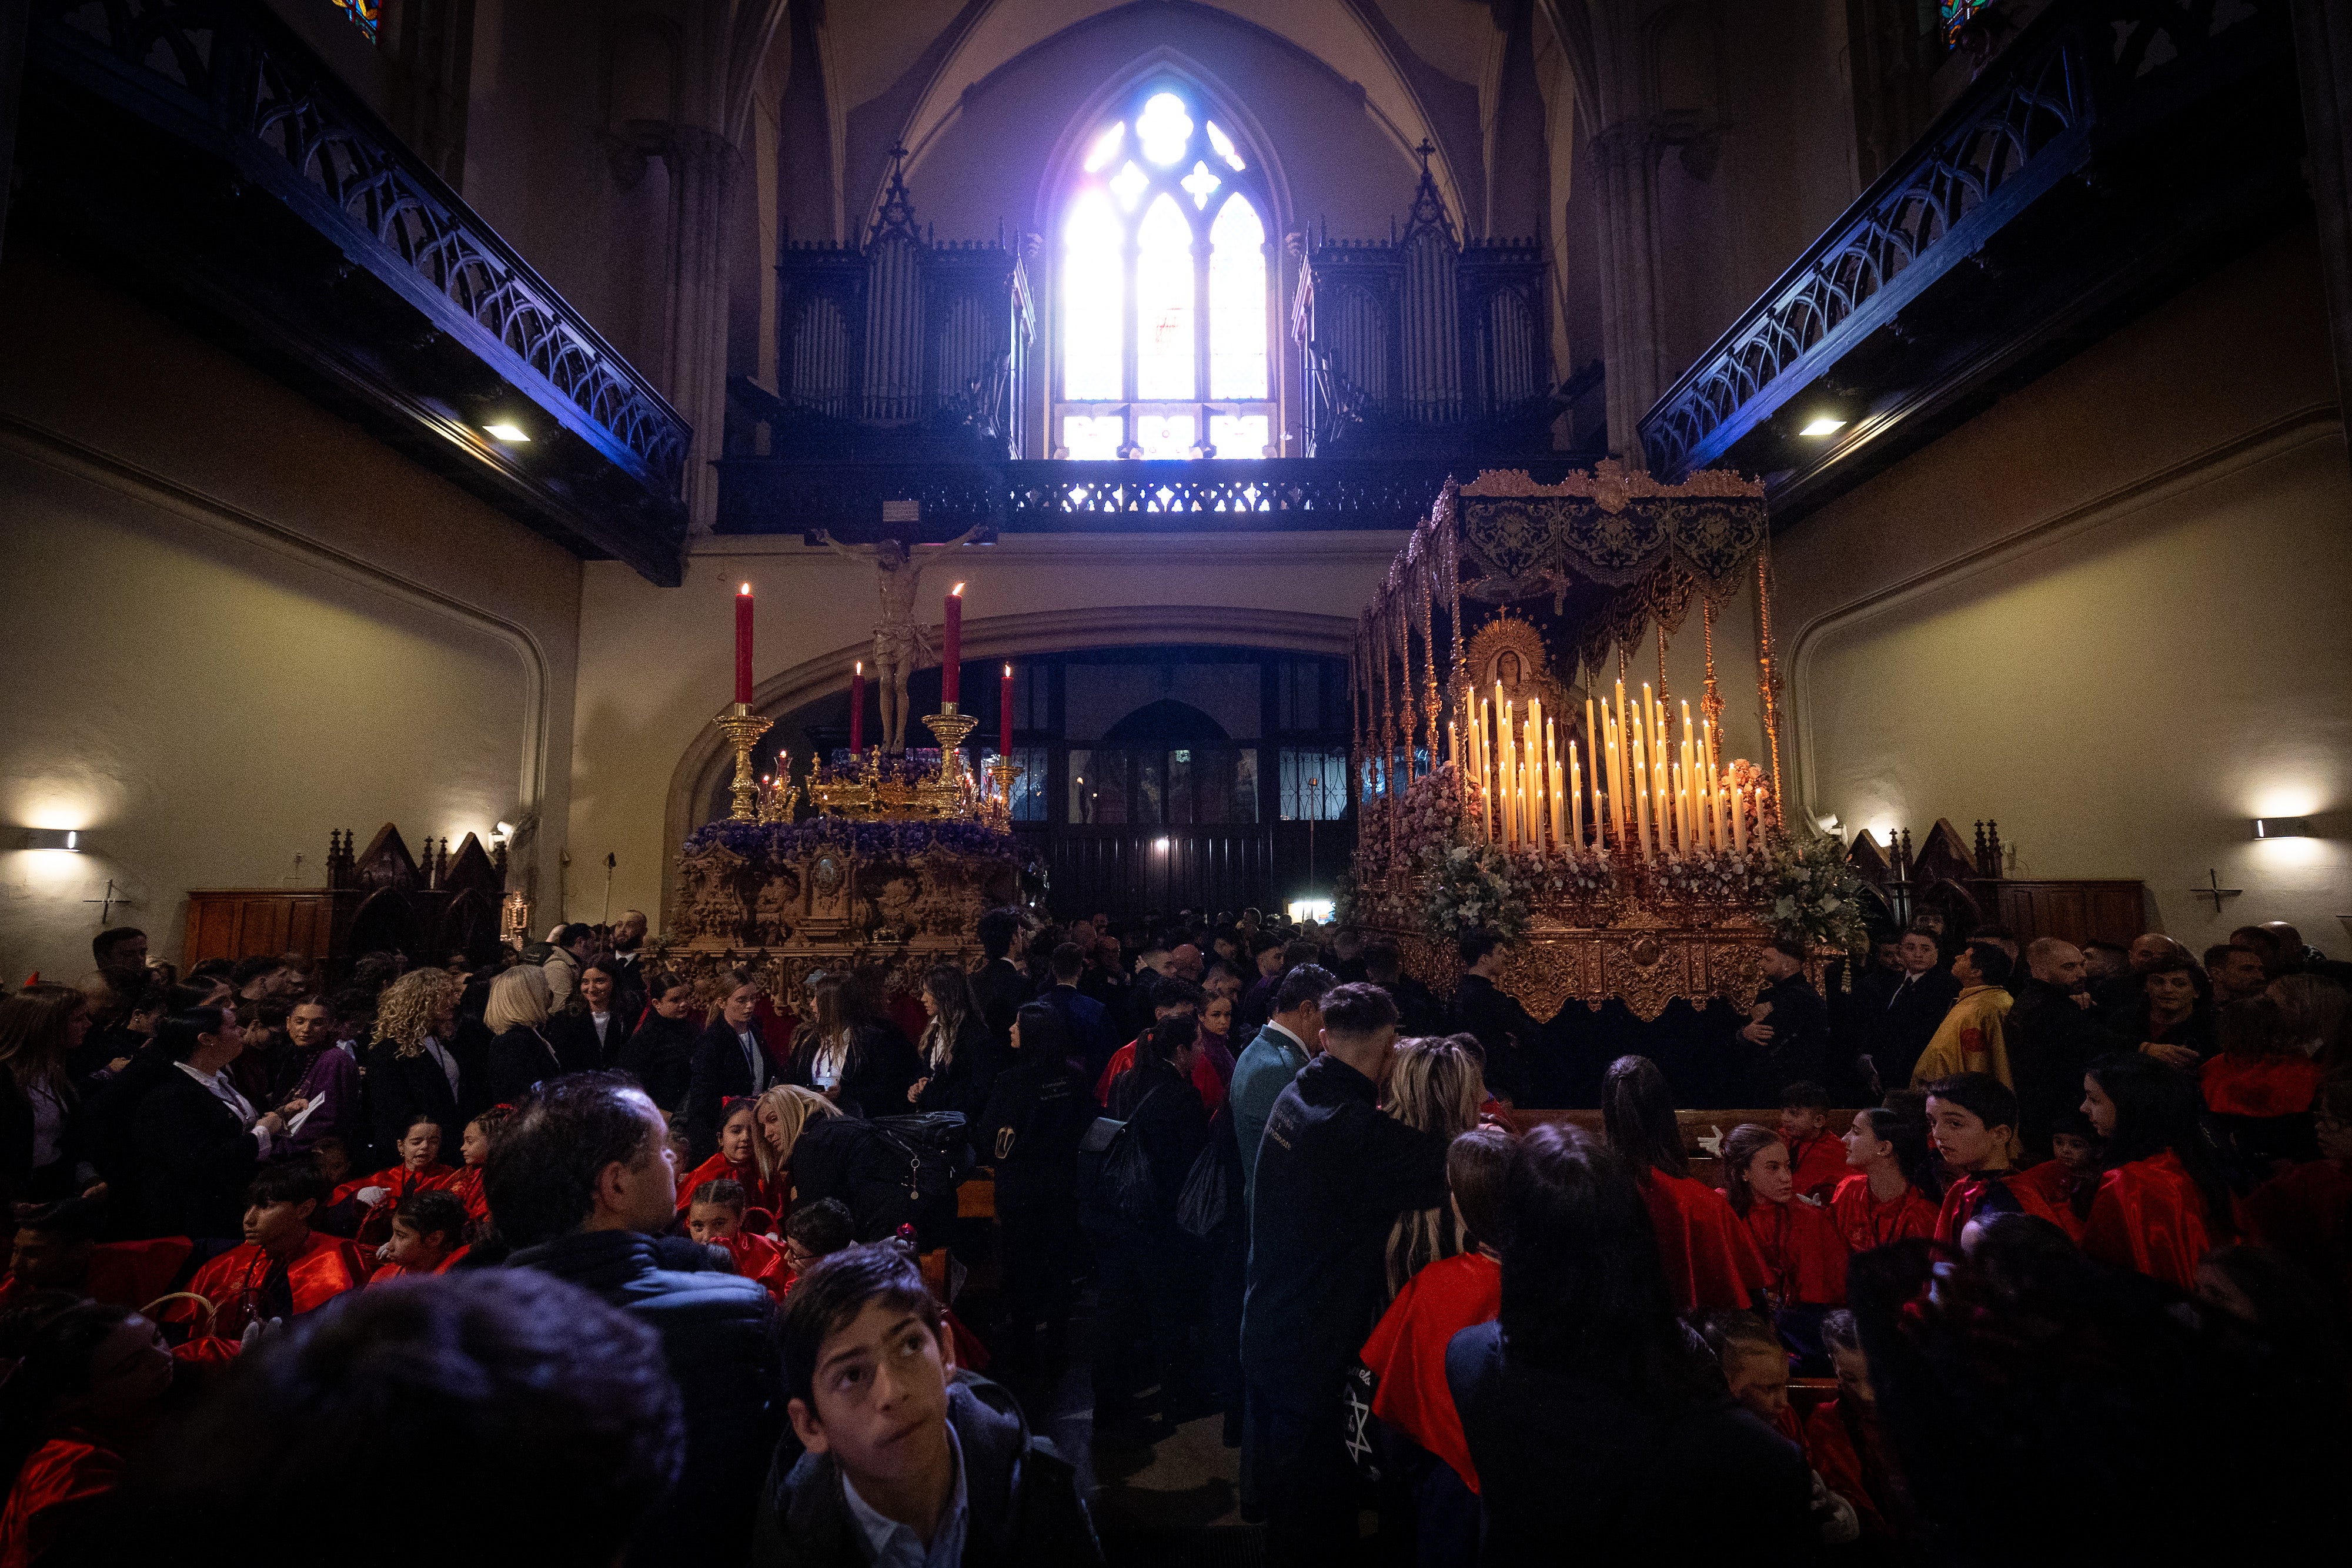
(1164, 236)
(1956, 17)
(364, 14)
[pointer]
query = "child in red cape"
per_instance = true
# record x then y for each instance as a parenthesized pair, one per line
(2258, 1071)
(371, 1198)
(2058, 1182)
(1883, 1199)
(1407, 1351)
(1804, 1254)
(1708, 1258)
(816, 1229)
(715, 1217)
(734, 1161)
(1973, 1118)
(482, 1133)
(284, 1269)
(1171, 997)
(2160, 1205)
(1816, 1156)
(1848, 1444)
(89, 1382)
(1754, 1367)
(429, 1236)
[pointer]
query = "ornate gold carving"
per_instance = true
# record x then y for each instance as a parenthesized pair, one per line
(1504, 646)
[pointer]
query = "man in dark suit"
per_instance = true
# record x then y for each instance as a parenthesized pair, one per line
(997, 985)
(1789, 1031)
(199, 1141)
(1905, 1012)
(729, 1064)
(1506, 1032)
(1086, 1018)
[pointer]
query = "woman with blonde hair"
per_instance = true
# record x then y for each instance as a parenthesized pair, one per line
(1437, 1085)
(781, 1115)
(413, 1068)
(39, 1026)
(521, 1052)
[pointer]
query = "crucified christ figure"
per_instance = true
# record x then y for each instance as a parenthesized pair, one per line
(900, 641)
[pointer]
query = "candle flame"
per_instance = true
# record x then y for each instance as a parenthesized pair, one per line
(859, 667)
(745, 590)
(957, 590)
(1008, 672)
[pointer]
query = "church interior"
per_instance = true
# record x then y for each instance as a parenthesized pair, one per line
(1592, 522)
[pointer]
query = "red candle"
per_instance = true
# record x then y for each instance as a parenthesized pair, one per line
(743, 645)
(857, 708)
(1005, 716)
(951, 654)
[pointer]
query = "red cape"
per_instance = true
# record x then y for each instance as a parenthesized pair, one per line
(398, 1182)
(2048, 1190)
(467, 1185)
(2302, 1215)
(1804, 1254)
(757, 1258)
(122, 1273)
(1820, 1163)
(1708, 1258)
(324, 1269)
(1831, 1445)
(1407, 1353)
(1204, 1077)
(1968, 1194)
(2260, 1086)
(2149, 1217)
(384, 1271)
(57, 1483)
(771, 1198)
(1863, 1222)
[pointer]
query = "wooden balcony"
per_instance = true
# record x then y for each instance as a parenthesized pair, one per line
(2113, 152)
(197, 154)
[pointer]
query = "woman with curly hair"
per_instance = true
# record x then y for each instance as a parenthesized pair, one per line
(413, 1067)
(1437, 1085)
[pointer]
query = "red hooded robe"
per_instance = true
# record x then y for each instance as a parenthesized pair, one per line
(1820, 1165)
(2259, 1086)
(1804, 1256)
(324, 1268)
(59, 1482)
(1407, 1353)
(1710, 1259)
(1865, 1222)
(2149, 1217)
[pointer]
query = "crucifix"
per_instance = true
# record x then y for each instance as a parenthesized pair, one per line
(2214, 890)
(106, 905)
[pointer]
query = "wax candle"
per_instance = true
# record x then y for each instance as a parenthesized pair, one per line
(952, 650)
(1452, 752)
(1576, 801)
(1722, 816)
(857, 708)
(1005, 716)
(743, 645)
(1508, 765)
(1739, 818)
(1639, 762)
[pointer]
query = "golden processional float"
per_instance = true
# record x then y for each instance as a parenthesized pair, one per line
(884, 865)
(1514, 772)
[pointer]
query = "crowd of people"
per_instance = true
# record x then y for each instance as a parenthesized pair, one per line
(688, 1269)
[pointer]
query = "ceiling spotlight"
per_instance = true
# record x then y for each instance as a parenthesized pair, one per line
(512, 433)
(1822, 424)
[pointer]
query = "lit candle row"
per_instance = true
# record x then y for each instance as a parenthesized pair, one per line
(1649, 793)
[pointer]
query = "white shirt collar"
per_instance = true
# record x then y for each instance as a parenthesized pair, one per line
(891, 1544)
(1277, 1028)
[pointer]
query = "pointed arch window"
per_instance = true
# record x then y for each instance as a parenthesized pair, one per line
(1165, 310)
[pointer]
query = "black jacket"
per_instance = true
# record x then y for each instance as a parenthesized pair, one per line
(661, 1055)
(1163, 1113)
(573, 1035)
(964, 1083)
(719, 1335)
(194, 1159)
(2051, 1041)
(521, 1057)
(1000, 989)
(1029, 1132)
(399, 1087)
(883, 1065)
(1481, 1008)
(1021, 1498)
(849, 1158)
(1904, 1020)
(1333, 1173)
(1800, 1047)
(1570, 1471)
(716, 1072)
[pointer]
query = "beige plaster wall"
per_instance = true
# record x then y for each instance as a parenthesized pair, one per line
(657, 664)
(2108, 613)
(235, 623)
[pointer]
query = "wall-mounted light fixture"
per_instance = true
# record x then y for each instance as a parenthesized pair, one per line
(50, 839)
(1822, 424)
(2283, 827)
(512, 433)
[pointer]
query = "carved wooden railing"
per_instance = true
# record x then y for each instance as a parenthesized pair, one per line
(229, 74)
(779, 495)
(2080, 74)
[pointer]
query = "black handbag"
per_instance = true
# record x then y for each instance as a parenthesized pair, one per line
(1116, 1189)
(1206, 1204)
(937, 1149)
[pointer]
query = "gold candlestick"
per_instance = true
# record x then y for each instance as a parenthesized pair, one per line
(744, 729)
(944, 794)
